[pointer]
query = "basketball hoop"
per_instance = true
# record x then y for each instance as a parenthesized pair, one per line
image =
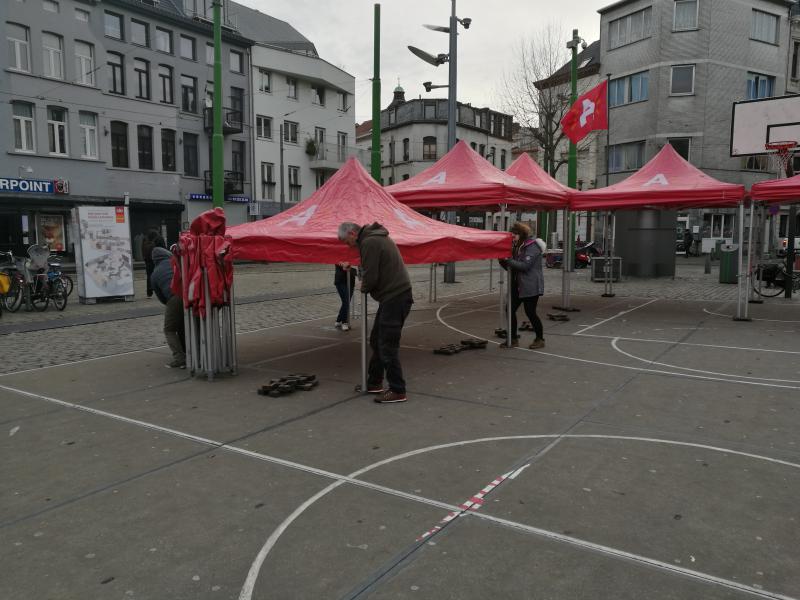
(781, 154)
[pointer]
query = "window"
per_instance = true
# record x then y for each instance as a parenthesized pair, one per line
(320, 179)
(119, 144)
(237, 102)
(237, 156)
(237, 62)
(429, 148)
(188, 93)
(393, 116)
(406, 149)
(263, 127)
(294, 184)
(144, 135)
(50, 5)
(264, 81)
(140, 33)
(317, 95)
(57, 130)
(492, 153)
(474, 146)
(82, 15)
(290, 132)
(84, 63)
(165, 81)
(503, 160)
(116, 73)
(760, 86)
(142, 69)
(88, 123)
(482, 149)
(167, 150)
(114, 27)
(405, 177)
(795, 73)
(209, 54)
(341, 103)
(681, 145)
(190, 167)
(764, 27)
(188, 47)
(163, 40)
(629, 29)
(682, 80)
(341, 146)
(19, 57)
(267, 181)
(633, 88)
(23, 127)
(429, 110)
(685, 15)
(291, 84)
(626, 157)
(53, 51)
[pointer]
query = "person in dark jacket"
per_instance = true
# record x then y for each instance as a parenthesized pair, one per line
(384, 277)
(345, 290)
(150, 241)
(688, 242)
(173, 313)
(527, 282)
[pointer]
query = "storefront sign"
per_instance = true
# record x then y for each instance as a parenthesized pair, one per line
(50, 231)
(199, 197)
(240, 199)
(34, 186)
(103, 256)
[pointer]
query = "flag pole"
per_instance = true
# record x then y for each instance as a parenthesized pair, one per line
(608, 288)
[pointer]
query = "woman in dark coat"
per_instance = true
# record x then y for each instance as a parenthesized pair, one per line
(527, 282)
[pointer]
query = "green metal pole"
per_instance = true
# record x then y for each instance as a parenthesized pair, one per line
(572, 165)
(217, 143)
(376, 101)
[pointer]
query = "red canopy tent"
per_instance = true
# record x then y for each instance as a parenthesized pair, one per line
(307, 232)
(667, 181)
(462, 178)
(527, 170)
(777, 191)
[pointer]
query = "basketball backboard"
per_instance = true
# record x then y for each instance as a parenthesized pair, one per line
(755, 123)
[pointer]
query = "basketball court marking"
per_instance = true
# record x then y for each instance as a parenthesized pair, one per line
(624, 312)
(339, 480)
(615, 346)
(716, 314)
(657, 341)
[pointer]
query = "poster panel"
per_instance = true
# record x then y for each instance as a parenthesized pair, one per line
(50, 231)
(106, 261)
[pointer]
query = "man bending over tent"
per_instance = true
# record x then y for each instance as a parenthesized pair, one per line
(385, 278)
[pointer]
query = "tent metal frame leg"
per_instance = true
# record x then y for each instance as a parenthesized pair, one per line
(566, 263)
(364, 326)
(742, 278)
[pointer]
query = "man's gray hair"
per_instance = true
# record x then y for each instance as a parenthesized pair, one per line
(345, 229)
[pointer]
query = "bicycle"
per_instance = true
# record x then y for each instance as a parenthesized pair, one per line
(54, 272)
(775, 276)
(15, 294)
(31, 283)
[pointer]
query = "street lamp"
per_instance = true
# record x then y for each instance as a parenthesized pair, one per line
(452, 59)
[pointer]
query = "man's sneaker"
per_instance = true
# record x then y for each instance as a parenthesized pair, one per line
(514, 343)
(390, 397)
(338, 325)
(536, 344)
(375, 388)
(176, 363)
(345, 327)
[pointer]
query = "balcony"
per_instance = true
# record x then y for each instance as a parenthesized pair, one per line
(234, 182)
(231, 120)
(330, 157)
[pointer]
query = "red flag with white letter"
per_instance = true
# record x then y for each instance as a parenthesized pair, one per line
(589, 113)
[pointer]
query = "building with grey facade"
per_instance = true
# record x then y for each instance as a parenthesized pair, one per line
(676, 68)
(111, 100)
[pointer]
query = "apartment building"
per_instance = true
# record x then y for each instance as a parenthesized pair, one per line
(108, 101)
(676, 68)
(302, 114)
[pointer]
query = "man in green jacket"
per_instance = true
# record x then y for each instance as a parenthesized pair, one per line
(385, 278)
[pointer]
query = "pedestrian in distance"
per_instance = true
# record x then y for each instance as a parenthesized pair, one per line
(526, 280)
(173, 313)
(345, 289)
(384, 277)
(151, 240)
(688, 242)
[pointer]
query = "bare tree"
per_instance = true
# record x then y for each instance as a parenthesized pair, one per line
(536, 93)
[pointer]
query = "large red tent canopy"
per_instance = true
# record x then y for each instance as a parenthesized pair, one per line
(777, 191)
(527, 170)
(462, 178)
(668, 182)
(308, 231)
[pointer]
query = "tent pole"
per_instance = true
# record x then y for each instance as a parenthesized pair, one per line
(509, 333)
(234, 347)
(491, 265)
(740, 238)
(748, 275)
(566, 264)
(207, 325)
(364, 325)
(186, 317)
(501, 278)
(435, 282)
(430, 284)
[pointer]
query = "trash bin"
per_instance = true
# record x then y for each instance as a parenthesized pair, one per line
(728, 263)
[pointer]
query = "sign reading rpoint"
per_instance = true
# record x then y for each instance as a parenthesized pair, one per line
(34, 186)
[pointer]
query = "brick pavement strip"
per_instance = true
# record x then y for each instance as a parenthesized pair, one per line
(121, 333)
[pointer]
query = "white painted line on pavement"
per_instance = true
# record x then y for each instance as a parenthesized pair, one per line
(716, 314)
(298, 353)
(615, 346)
(624, 312)
(657, 341)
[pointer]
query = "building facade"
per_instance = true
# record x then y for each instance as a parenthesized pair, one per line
(676, 68)
(302, 114)
(111, 101)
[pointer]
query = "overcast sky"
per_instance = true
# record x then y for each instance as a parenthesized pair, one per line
(342, 33)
